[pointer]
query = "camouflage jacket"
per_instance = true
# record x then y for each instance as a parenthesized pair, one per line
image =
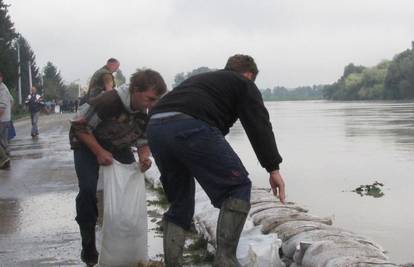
(94, 88)
(110, 119)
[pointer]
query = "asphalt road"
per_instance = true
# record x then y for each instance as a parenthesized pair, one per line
(37, 208)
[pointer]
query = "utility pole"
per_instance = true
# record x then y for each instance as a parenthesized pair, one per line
(19, 76)
(29, 68)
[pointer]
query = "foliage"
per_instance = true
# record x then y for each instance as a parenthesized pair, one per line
(359, 83)
(399, 80)
(8, 62)
(388, 80)
(27, 57)
(180, 77)
(53, 83)
(300, 93)
(373, 190)
(119, 78)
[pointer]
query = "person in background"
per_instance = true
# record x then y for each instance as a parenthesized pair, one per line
(104, 129)
(186, 136)
(103, 79)
(34, 101)
(6, 102)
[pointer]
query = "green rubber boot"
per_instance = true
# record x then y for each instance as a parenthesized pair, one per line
(174, 238)
(233, 214)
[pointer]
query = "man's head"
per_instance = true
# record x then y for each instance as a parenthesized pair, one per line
(112, 64)
(244, 65)
(146, 87)
(33, 90)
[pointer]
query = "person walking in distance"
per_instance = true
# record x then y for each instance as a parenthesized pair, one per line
(35, 103)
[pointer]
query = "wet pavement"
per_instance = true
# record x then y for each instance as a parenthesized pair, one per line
(37, 199)
(37, 193)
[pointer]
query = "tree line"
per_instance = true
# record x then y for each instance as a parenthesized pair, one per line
(48, 80)
(275, 94)
(388, 80)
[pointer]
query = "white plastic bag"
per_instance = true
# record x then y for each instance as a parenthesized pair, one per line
(124, 231)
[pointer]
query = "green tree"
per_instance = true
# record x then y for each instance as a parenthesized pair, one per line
(27, 57)
(399, 81)
(52, 83)
(180, 77)
(119, 78)
(8, 56)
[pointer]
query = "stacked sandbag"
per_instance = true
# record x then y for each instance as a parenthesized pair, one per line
(273, 228)
(312, 241)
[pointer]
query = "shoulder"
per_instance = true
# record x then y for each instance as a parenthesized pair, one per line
(102, 71)
(107, 103)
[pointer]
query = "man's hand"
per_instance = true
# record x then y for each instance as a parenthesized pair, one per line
(145, 164)
(104, 157)
(143, 154)
(278, 185)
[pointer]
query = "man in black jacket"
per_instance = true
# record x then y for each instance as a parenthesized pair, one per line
(186, 136)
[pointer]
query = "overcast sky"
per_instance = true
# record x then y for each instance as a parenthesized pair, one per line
(294, 42)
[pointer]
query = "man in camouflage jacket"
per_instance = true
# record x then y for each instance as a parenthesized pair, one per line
(105, 129)
(103, 80)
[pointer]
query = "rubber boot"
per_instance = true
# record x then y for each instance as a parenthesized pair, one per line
(230, 224)
(174, 238)
(89, 255)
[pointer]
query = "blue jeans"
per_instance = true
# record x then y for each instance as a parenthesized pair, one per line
(87, 170)
(187, 148)
(34, 117)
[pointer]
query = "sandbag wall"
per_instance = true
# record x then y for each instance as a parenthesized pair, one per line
(277, 234)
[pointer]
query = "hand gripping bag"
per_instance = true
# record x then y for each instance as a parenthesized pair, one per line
(124, 231)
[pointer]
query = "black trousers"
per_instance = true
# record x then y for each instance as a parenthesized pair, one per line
(87, 170)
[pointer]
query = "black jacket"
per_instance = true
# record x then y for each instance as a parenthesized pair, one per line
(220, 98)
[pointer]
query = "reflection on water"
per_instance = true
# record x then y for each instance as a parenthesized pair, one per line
(329, 148)
(388, 121)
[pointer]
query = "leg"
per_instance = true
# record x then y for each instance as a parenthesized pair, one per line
(35, 120)
(233, 214)
(86, 203)
(179, 188)
(220, 172)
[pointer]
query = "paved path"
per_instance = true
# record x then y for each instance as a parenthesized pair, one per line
(37, 199)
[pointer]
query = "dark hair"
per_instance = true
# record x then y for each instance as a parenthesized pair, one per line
(1, 74)
(148, 79)
(112, 60)
(242, 63)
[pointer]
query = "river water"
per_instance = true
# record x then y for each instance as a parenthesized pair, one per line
(330, 149)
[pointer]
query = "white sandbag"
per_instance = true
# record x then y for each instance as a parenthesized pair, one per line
(124, 231)
(321, 252)
(258, 250)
